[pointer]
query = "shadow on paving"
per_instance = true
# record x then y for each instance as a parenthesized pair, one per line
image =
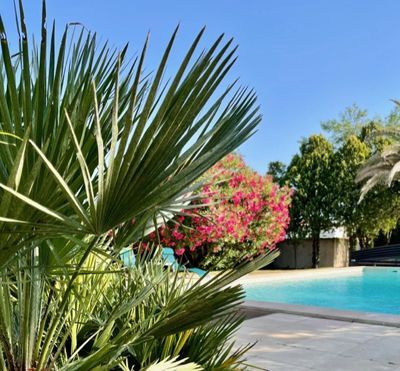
(251, 312)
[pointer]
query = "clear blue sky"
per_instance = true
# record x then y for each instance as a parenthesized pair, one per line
(307, 59)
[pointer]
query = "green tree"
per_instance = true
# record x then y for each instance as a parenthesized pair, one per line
(309, 173)
(350, 122)
(277, 170)
(379, 177)
(377, 212)
(346, 208)
(357, 138)
(356, 121)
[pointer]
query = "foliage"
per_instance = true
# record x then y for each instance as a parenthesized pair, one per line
(92, 143)
(354, 139)
(377, 212)
(356, 121)
(380, 215)
(382, 167)
(88, 144)
(247, 214)
(350, 122)
(277, 170)
(346, 208)
(357, 139)
(379, 178)
(339, 202)
(335, 195)
(173, 365)
(309, 173)
(120, 318)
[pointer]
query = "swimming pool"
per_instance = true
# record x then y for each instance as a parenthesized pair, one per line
(371, 290)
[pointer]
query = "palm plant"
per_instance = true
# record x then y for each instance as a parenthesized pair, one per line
(117, 318)
(173, 365)
(94, 151)
(383, 168)
(91, 143)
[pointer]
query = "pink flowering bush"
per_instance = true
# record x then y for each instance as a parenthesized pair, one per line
(246, 214)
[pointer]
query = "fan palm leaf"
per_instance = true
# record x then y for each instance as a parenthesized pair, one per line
(140, 315)
(173, 365)
(92, 151)
(383, 167)
(89, 142)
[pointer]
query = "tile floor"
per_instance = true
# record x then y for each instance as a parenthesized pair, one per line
(288, 342)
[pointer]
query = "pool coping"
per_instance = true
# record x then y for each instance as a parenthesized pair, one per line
(283, 275)
(266, 307)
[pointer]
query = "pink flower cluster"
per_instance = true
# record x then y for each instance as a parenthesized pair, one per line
(244, 209)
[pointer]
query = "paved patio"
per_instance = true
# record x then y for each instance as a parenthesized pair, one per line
(289, 342)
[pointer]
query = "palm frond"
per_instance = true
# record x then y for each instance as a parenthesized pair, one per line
(93, 151)
(100, 143)
(173, 364)
(383, 168)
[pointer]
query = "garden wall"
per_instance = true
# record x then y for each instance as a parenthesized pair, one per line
(333, 253)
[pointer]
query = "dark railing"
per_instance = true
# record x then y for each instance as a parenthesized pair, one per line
(383, 255)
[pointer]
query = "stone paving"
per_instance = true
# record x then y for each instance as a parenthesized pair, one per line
(296, 343)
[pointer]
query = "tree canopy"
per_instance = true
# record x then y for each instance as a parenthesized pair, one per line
(309, 173)
(324, 173)
(357, 121)
(277, 169)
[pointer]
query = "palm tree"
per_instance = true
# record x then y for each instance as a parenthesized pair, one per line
(93, 151)
(383, 168)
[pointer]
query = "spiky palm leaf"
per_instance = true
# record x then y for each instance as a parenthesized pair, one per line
(91, 143)
(383, 168)
(116, 317)
(173, 365)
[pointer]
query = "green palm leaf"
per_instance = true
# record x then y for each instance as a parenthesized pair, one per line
(383, 168)
(173, 364)
(92, 152)
(107, 144)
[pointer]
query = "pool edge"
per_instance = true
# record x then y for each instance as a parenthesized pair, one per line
(380, 319)
(285, 275)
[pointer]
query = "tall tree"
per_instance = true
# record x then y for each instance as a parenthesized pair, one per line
(355, 137)
(347, 161)
(309, 173)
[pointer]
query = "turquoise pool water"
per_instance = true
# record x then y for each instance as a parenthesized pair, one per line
(373, 290)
